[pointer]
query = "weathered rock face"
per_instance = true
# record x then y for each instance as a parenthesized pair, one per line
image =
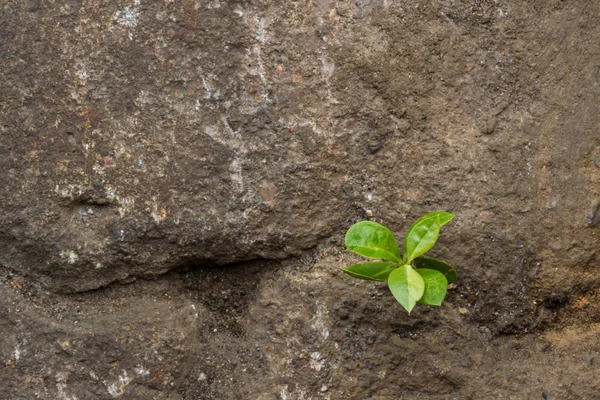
(142, 136)
(138, 137)
(291, 332)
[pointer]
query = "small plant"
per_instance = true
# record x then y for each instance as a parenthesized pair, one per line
(411, 278)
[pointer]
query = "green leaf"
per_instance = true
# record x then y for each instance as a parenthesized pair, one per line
(406, 285)
(423, 234)
(432, 263)
(374, 271)
(372, 240)
(435, 287)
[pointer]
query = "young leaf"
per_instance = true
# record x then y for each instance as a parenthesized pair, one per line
(406, 285)
(435, 287)
(423, 234)
(374, 271)
(372, 240)
(432, 263)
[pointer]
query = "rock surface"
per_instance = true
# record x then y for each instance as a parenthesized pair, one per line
(142, 137)
(273, 332)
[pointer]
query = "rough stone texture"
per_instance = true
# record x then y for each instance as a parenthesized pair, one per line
(142, 137)
(264, 332)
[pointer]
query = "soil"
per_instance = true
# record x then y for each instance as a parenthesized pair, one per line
(178, 177)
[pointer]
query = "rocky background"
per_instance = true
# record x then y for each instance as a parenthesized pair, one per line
(178, 175)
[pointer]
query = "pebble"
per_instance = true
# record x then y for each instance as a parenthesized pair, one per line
(545, 394)
(33, 5)
(597, 157)
(591, 216)
(374, 146)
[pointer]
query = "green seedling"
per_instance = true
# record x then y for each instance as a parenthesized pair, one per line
(411, 278)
